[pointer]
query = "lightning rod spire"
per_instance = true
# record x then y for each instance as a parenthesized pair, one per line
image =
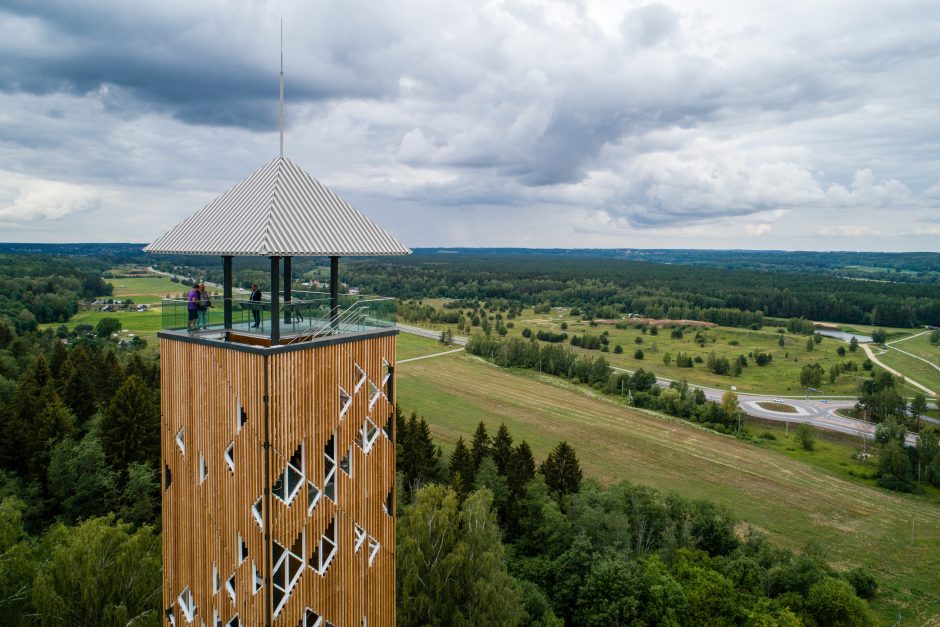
(282, 88)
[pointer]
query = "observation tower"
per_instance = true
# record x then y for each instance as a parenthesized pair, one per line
(277, 420)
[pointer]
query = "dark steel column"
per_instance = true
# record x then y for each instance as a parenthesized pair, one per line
(334, 291)
(287, 281)
(227, 291)
(275, 308)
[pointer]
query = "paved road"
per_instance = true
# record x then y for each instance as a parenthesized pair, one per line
(459, 340)
(819, 413)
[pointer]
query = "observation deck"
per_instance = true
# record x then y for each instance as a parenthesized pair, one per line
(307, 317)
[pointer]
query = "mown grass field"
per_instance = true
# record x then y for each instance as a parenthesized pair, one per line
(791, 500)
(780, 377)
(921, 347)
(410, 346)
(912, 368)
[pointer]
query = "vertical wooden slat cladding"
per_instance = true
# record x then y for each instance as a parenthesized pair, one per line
(203, 386)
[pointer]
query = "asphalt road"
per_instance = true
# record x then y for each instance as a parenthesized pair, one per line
(819, 413)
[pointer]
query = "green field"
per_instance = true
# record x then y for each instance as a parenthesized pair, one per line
(781, 376)
(791, 500)
(410, 346)
(912, 368)
(148, 290)
(144, 290)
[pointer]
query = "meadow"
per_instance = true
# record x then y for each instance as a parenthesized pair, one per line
(793, 501)
(780, 377)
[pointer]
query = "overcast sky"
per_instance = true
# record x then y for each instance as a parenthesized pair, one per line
(796, 125)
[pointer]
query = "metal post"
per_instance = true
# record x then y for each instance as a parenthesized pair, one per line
(287, 280)
(275, 309)
(227, 292)
(334, 291)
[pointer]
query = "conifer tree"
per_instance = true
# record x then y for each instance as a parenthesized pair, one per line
(49, 426)
(130, 426)
(502, 448)
(562, 471)
(460, 463)
(79, 384)
(110, 377)
(481, 445)
(59, 356)
(23, 433)
(401, 435)
(521, 469)
(421, 459)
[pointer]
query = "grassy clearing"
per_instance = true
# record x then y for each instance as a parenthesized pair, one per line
(912, 368)
(409, 346)
(792, 500)
(921, 347)
(147, 290)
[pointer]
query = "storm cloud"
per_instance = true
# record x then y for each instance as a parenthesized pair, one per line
(743, 124)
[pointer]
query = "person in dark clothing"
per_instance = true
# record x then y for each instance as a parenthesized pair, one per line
(255, 311)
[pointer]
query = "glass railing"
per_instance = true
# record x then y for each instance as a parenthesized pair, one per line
(306, 316)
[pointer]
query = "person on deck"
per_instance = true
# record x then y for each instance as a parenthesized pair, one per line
(256, 311)
(193, 307)
(203, 310)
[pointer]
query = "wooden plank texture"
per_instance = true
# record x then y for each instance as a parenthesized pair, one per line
(207, 392)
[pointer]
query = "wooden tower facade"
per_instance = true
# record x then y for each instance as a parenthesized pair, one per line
(279, 476)
(278, 442)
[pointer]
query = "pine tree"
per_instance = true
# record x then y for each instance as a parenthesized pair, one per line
(401, 435)
(59, 356)
(421, 459)
(130, 426)
(110, 377)
(502, 448)
(521, 468)
(79, 384)
(460, 463)
(481, 445)
(18, 441)
(49, 426)
(562, 471)
(430, 454)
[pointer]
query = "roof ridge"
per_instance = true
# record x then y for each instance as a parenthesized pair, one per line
(269, 216)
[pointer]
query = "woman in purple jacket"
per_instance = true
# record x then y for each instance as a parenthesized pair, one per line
(193, 307)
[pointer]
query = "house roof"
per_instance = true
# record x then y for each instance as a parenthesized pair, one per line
(280, 210)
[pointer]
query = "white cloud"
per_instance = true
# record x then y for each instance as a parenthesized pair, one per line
(25, 199)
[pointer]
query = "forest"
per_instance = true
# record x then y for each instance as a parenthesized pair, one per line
(608, 288)
(490, 537)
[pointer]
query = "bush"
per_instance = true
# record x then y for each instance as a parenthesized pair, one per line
(806, 436)
(864, 584)
(618, 349)
(550, 336)
(638, 354)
